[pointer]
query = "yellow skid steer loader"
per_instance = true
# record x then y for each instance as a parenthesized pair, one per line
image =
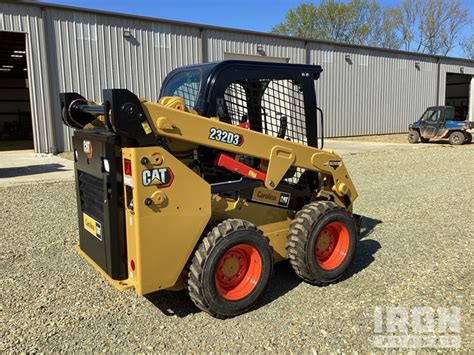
(210, 186)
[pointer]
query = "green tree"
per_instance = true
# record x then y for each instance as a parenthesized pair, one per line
(405, 17)
(431, 26)
(427, 26)
(467, 46)
(357, 22)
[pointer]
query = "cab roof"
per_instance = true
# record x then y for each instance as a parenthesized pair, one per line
(211, 71)
(438, 107)
(214, 67)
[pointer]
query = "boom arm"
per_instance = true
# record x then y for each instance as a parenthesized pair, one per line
(168, 119)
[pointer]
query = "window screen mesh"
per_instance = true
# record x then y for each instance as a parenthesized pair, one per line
(189, 92)
(236, 102)
(283, 100)
(277, 104)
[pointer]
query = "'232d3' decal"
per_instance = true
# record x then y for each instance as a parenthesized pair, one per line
(219, 135)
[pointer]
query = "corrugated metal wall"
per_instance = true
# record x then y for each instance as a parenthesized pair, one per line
(371, 92)
(220, 42)
(92, 54)
(362, 91)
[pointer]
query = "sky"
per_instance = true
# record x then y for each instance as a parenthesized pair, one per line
(257, 15)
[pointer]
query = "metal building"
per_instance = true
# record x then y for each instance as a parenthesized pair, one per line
(46, 49)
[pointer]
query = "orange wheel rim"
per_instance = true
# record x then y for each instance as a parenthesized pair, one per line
(238, 272)
(332, 245)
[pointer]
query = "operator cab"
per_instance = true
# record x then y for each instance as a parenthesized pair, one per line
(276, 99)
(273, 98)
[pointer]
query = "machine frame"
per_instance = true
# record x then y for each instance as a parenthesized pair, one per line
(148, 164)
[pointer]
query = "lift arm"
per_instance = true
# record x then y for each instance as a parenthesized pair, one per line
(170, 118)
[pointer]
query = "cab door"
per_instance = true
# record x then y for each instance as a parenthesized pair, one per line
(432, 120)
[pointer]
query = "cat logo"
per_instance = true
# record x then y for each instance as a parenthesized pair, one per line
(162, 177)
(335, 164)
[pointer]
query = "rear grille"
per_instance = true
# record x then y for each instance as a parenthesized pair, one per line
(92, 195)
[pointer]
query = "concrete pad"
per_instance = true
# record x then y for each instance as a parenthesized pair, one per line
(26, 167)
(353, 147)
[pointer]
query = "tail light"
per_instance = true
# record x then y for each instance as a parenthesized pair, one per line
(127, 167)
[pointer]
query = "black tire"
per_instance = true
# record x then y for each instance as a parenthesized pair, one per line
(302, 237)
(424, 140)
(457, 138)
(468, 137)
(413, 137)
(202, 285)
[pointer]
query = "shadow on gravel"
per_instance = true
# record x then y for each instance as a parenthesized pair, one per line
(444, 142)
(284, 279)
(173, 303)
(367, 226)
(366, 248)
(364, 257)
(30, 170)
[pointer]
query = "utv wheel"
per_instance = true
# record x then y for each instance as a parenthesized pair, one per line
(457, 138)
(321, 242)
(231, 269)
(468, 136)
(413, 137)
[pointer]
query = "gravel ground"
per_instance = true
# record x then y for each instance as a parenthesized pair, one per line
(417, 250)
(387, 138)
(382, 138)
(66, 155)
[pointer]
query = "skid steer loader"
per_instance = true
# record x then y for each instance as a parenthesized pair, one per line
(210, 186)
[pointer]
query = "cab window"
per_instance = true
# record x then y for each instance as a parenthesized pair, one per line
(185, 84)
(431, 115)
(450, 114)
